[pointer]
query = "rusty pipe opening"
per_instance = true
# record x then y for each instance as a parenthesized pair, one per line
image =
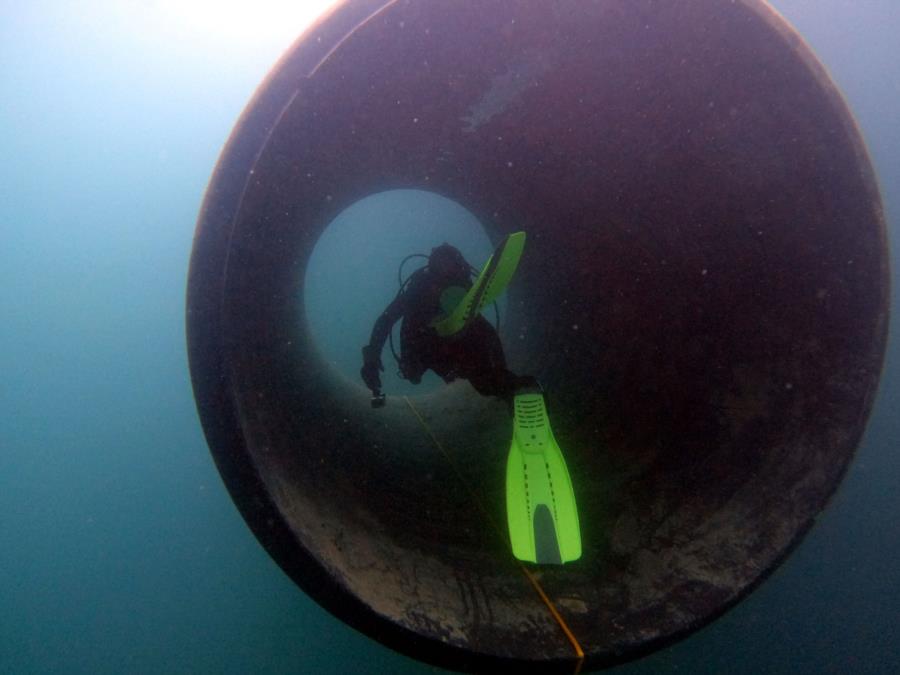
(703, 295)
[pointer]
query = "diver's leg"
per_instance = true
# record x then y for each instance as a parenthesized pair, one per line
(411, 370)
(416, 352)
(482, 361)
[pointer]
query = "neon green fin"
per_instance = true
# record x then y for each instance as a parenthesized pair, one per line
(489, 284)
(540, 502)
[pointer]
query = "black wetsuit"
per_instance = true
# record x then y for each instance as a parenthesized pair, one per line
(474, 354)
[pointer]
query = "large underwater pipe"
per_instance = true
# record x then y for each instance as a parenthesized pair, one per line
(704, 296)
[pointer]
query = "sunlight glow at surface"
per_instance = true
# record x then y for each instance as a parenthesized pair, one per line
(259, 21)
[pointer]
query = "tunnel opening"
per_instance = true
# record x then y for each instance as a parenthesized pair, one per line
(361, 260)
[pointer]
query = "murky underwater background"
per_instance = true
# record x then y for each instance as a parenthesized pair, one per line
(120, 550)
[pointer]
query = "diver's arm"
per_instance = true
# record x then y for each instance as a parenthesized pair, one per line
(385, 323)
(371, 353)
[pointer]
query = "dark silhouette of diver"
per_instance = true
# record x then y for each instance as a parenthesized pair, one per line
(540, 503)
(474, 354)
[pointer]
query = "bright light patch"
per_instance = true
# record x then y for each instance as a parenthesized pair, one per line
(259, 21)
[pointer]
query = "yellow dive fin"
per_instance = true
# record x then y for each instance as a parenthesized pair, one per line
(540, 502)
(491, 282)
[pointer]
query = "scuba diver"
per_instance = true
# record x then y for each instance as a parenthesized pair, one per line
(472, 352)
(443, 330)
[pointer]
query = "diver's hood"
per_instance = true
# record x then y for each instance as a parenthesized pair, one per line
(446, 262)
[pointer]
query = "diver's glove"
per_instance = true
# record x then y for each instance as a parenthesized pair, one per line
(371, 366)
